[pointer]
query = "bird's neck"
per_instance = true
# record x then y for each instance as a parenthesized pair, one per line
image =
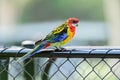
(72, 28)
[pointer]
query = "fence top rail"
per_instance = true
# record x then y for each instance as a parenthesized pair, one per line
(70, 52)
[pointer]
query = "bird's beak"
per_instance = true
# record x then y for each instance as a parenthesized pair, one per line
(76, 25)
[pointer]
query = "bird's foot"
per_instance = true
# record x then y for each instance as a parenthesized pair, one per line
(60, 49)
(63, 49)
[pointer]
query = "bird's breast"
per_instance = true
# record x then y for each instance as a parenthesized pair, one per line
(70, 33)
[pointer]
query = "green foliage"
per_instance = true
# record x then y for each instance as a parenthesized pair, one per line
(61, 9)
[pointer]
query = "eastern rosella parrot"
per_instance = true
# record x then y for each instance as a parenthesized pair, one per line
(57, 38)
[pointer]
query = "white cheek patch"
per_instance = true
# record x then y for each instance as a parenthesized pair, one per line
(75, 25)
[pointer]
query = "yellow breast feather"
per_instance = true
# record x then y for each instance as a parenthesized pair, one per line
(70, 36)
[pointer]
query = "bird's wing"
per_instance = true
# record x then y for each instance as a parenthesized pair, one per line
(57, 35)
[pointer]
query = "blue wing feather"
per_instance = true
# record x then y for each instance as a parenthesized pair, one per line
(59, 37)
(55, 36)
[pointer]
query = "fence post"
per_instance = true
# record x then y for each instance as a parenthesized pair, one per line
(29, 67)
(4, 68)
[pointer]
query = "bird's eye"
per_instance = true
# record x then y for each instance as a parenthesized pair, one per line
(74, 21)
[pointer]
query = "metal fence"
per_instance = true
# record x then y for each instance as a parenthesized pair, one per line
(88, 63)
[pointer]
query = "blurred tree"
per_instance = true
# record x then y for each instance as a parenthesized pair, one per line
(112, 9)
(9, 11)
(62, 9)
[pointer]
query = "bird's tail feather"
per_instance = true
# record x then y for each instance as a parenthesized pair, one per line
(32, 52)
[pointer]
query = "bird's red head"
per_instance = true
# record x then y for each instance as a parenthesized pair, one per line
(72, 24)
(73, 20)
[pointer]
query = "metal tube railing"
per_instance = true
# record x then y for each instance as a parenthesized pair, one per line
(68, 53)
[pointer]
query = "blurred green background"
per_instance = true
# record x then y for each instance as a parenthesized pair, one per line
(45, 10)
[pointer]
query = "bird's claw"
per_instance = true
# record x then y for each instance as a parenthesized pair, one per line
(60, 49)
(63, 49)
